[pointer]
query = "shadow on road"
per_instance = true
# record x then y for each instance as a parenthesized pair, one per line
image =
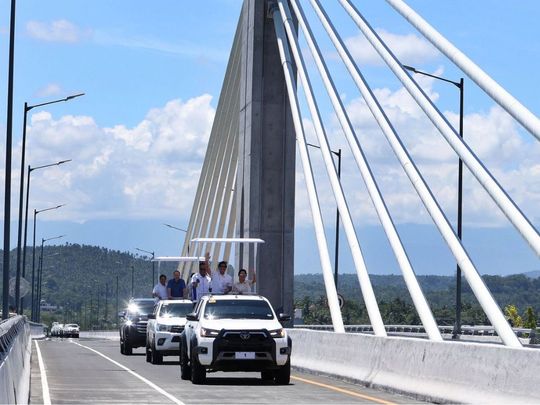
(237, 381)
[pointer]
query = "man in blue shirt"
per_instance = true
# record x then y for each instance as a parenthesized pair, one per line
(176, 287)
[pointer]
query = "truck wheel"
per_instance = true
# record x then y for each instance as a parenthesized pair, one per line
(122, 350)
(185, 368)
(157, 358)
(128, 350)
(198, 372)
(283, 375)
(148, 354)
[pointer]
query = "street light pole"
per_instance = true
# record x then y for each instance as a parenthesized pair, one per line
(30, 170)
(153, 264)
(132, 278)
(461, 86)
(106, 304)
(33, 303)
(21, 190)
(117, 308)
(7, 173)
(336, 252)
(40, 275)
(178, 229)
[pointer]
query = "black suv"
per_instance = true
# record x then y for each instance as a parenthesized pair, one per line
(133, 322)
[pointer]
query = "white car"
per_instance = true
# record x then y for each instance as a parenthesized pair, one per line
(164, 327)
(71, 330)
(235, 333)
(57, 329)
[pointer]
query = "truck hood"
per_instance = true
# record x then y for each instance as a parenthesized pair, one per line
(241, 324)
(174, 321)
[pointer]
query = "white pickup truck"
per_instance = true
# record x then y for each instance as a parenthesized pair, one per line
(235, 333)
(164, 327)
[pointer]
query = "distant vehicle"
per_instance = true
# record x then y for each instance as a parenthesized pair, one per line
(164, 328)
(235, 333)
(133, 322)
(71, 330)
(57, 329)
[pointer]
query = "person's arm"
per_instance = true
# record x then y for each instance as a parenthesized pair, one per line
(207, 263)
(254, 279)
(195, 281)
(169, 292)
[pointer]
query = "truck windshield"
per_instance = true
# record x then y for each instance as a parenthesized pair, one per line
(140, 308)
(175, 310)
(238, 309)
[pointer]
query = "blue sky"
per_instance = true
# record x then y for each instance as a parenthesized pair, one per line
(152, 74)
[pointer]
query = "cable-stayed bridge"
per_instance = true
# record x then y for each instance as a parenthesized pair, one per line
(247, 190)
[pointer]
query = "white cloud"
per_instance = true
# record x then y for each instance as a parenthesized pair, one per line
(55, 31)
(409, 49)
(513, 160)
(51, 89)
(203, 53)
(151, 170)
(148, 171)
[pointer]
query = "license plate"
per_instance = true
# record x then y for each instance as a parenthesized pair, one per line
(245, 355)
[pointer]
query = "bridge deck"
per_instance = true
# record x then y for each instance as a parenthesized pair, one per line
(75, 374)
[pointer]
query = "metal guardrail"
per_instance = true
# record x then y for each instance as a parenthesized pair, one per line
(465, 330)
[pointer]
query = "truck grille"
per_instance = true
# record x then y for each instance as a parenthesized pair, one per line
(177, 329)
(141, 327)
(245, 341)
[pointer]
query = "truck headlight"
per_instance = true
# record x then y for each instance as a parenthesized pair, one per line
(163, 328)
(277, 333)
(209, 332)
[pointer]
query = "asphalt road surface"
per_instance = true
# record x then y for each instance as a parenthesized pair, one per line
(79, 371)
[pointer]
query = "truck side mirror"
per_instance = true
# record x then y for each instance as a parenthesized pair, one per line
(284, 317)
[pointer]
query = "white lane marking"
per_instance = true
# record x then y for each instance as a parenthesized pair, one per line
(140, 377)
(44, 382)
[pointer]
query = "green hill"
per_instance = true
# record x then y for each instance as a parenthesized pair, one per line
(80, 281)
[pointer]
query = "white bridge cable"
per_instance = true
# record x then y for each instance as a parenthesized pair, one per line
(409, 276)
(525, 117)
(199, 210)
(331, 293)
(197, 205)
(352, 238)
(225, 189)
(490, 184)
(476, 283)
(232, 219)
(228, 157)
(218, 174)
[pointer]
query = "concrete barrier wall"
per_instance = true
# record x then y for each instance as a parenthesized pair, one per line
(103, 334)
(15, 367)
(452, 372)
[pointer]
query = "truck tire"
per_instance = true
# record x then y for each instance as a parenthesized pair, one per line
(185, 368)
(128, 350)
(148, 354)
(283, 375)
(198, 372)
(157, 357)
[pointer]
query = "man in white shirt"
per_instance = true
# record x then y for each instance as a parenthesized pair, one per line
(200, 282)
(221, 281)
(160, 290)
